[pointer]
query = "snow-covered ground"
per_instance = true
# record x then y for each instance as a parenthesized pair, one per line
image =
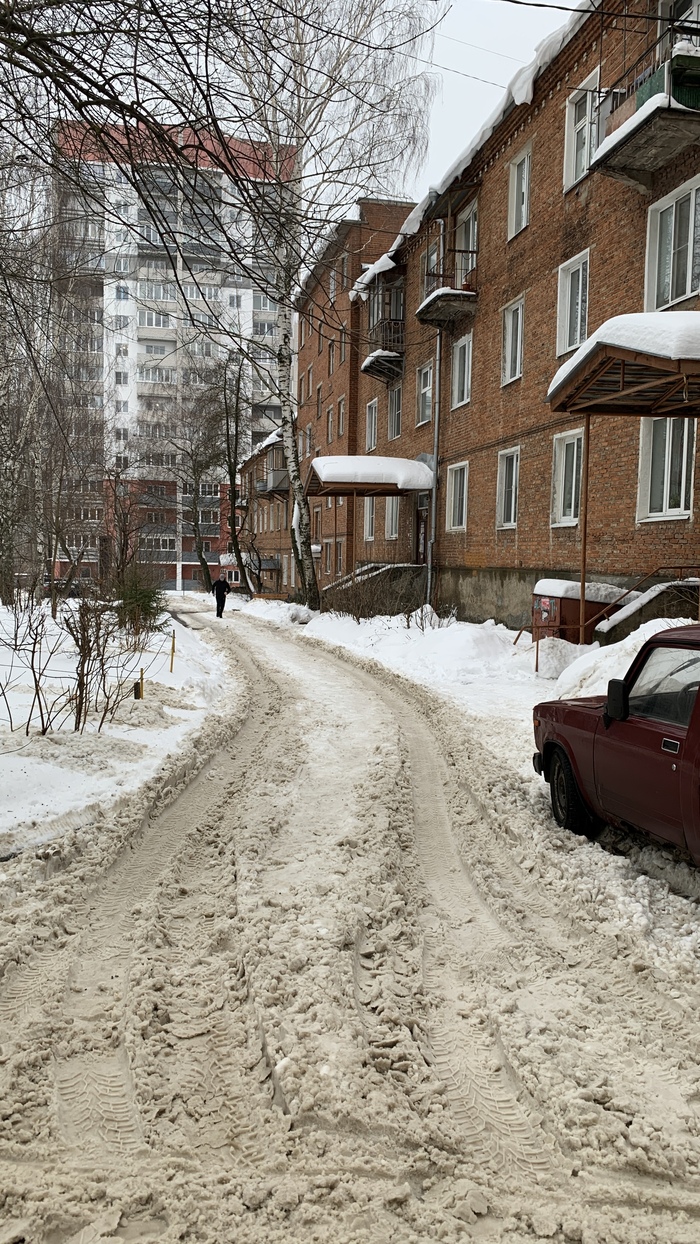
(48, 778)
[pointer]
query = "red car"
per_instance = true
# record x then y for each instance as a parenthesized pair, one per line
(631, 758)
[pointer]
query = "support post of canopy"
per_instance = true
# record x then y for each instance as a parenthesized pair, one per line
(584, 528)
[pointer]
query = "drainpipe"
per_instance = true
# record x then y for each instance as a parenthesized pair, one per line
(436, 439)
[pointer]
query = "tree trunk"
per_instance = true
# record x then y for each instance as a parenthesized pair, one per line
(305, 559)
(232, 421)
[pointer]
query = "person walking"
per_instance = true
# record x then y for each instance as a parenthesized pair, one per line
(221, 590)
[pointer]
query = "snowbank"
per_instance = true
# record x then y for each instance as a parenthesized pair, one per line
(589, 674)
(46, 777)
(278, 611)
(637, 601)
(673, 335)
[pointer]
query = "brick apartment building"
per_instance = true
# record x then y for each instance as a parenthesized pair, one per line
(540, 233)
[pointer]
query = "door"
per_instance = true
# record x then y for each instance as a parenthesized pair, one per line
(640, 764)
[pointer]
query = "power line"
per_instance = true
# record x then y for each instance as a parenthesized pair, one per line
(478, 48)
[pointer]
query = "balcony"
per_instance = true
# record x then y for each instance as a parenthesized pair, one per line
(278, 482)
(385, 362)
(652, 113)
(449, 292)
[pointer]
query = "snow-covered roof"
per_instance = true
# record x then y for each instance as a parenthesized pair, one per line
(628, 127)
(570, 589)
(403, 473)
(378, 354)
(519, 91)
(667, 334)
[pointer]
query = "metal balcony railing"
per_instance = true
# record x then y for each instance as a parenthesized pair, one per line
(388, 335)
(457, 271)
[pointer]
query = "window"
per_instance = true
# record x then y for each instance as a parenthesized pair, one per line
(374, 305)
(519, 193)
(666, 687)
(456, 517)
(666, 468)
(371, 438)
(461, 370)
(154, 319)
(159, 291)
(465, 244)
(394, 421)
(332, 285)
(580, 134)
(673, 257)
(343, 271)
(122, 407)
(429, 265)
(391, 523)
(566, 478)
(317, 525)
(320, 338)
(327, 556)
(512, 366)
(301, 389)
(331, 357)
(338, 557)
(235, 301)
(263, 302)
(329, 424)
(319, 400)
(121, 462)
(424, 394)
(121, 434)
(121, 377)
(507, 502)
(308, 439)
(343, 342)
(369, 518)
(121, 350)
(122, 321)
(341, 416)
(285, 569)
(309, 382)
(572, 316)
(122, 293)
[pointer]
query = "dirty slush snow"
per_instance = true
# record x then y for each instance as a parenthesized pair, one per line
(349, 983)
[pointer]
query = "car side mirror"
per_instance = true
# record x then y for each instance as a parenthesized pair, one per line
(618, 705)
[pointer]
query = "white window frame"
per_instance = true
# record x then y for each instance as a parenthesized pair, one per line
(519, 212)
(341, 416)
(452, 473)
(644, 512)
(651, 302)
(507, 352)
(579, 264)
(368, 518)
(394, 409)
(560, 442)
(586, 126)
(461, 398)
(423, 388)
(371, 425)
(391, 518)
(509, 521)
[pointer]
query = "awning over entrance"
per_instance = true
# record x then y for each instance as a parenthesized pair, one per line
(645, 364)
(344, 475)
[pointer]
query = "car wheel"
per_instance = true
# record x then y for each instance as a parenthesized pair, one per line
(567, 805)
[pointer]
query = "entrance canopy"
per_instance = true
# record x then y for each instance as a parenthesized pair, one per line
(645, 364)
(345, 475)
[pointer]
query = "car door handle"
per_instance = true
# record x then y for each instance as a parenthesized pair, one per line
(670, 745)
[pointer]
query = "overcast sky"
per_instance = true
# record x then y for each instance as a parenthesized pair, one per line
(505, 36)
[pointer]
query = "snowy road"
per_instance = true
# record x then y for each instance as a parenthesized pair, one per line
(343, 988)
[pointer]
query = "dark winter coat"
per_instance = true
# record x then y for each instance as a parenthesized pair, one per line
(221, 589)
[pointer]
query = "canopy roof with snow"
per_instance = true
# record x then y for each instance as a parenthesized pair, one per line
(342, 475)
(640, 364)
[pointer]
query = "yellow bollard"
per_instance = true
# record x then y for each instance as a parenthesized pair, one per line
(172, 653)
(141, 681)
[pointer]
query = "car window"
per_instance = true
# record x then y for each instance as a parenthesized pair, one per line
(666, 686)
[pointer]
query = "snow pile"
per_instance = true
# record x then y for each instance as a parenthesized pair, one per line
(47, 777)
(589, 674)
(670, 336)
(278, 611)
(556, 655)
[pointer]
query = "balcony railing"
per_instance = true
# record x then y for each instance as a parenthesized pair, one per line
(388, 335)
(458, 271)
